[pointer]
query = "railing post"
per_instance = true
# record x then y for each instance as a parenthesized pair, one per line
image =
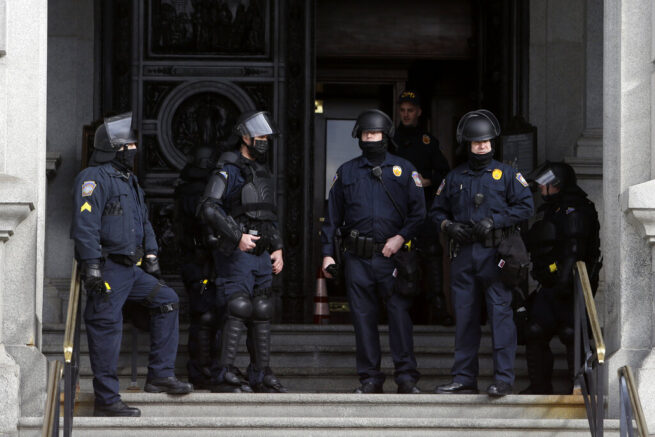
(626, 411)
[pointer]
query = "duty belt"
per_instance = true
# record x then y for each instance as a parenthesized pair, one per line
(127, 260)
(495, 236)
(361, 245)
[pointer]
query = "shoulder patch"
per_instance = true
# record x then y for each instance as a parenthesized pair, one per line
(224, 173)
(88, 187)
(521, 179)
(426, 139)
(334, 179)
(417, 179)
(441, 187)
(497, 174)
(397, 170)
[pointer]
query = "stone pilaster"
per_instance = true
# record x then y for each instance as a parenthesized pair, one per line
(627, 169)
(23, 73)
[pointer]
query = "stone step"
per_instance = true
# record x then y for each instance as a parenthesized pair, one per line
(342, 380)
(347, 405)
(321, 427)
(338, 335)
(320, 356)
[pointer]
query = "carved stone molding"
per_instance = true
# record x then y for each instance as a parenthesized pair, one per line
(588, 159)
(638, 202)
(15, 204)
(52, 162)
(178, 122)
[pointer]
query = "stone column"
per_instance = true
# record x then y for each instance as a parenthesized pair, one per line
(628, 195)
(23, 71)
(589, 146)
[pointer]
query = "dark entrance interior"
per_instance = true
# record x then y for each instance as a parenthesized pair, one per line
(187, 68)
(458, 56)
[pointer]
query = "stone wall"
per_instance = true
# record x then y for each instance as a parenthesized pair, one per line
(70, 106)
(23, 71)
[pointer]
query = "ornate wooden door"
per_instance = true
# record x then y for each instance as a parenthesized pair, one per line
(187, 69)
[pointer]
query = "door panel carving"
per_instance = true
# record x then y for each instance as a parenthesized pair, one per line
(187, 69)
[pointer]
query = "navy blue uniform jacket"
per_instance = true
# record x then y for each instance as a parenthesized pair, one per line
(357, 201)
(104, 222)
(507, 198)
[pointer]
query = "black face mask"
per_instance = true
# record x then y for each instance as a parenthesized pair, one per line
(479, 162)
(374, 151)
(551, 197)
(259, 149)
(125, 158)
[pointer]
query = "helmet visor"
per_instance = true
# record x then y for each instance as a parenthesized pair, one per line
(119, 129)
(261, 124)
(547, 177)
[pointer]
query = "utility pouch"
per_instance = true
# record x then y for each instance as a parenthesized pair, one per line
(406, 272)
(360, 245)
(513, 260)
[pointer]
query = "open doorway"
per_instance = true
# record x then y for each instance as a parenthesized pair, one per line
(458, 55)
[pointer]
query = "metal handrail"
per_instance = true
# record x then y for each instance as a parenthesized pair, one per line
(589, 360)
(50, 426)
(72, 349)
(630, 404)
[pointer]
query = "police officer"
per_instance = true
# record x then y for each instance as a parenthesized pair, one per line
(567, 231)
(112, 235)
(475, 206)
(198, 267)
(377, 201)
(422, 150)
(239, 205)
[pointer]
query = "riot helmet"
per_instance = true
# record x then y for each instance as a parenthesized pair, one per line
(556, 174)
(373, 120)
(256, 124)
(111, 136)
(478, 125)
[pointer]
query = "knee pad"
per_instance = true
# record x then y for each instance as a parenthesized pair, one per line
(262, 308)
(535, 333)
(207, 319)
(240, 306)
(566, 334)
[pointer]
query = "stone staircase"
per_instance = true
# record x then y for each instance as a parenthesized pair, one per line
(317, 364)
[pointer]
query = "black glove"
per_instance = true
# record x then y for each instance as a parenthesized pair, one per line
(458, 232)
(482, 228)
(150, 265)
(333, 270)
(92, 278)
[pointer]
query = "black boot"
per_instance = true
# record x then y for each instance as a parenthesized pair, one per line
(540, 367)
(202, 339)
(262, 378)
(170, 385)
(117, 409)
(230, 381)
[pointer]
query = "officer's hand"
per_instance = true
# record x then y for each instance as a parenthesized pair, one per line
(150, 265)
(248, 242)
(327, 261)
(458, 232)
(278, 262)
(482, 228)
(393, 245)
(92, 278)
